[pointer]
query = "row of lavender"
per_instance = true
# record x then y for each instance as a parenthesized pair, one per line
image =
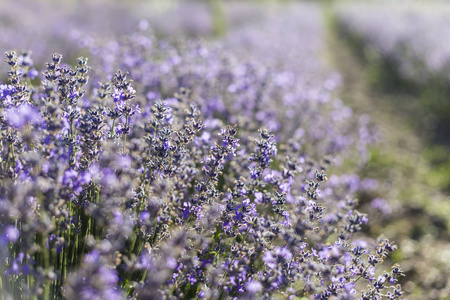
(411, 35)
(205, 177)
(404, 45)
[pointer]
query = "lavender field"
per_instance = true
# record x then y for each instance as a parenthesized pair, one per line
(223, 150)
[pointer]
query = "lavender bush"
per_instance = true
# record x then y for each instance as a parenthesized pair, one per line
(205, 177)
(103, 198)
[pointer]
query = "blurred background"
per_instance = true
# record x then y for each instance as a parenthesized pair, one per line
(390, 59)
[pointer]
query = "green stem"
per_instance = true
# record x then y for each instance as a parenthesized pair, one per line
(71, 154)
(46, 266)
(362, 274)
(112, 127)
(62, 273)
(137, 245)
(144, 275)
(1, 287)
(12, 152)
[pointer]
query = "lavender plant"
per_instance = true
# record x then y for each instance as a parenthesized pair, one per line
(107, 192)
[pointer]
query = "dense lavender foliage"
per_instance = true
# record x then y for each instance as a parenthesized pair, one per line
(201, 173)
(247, 78)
